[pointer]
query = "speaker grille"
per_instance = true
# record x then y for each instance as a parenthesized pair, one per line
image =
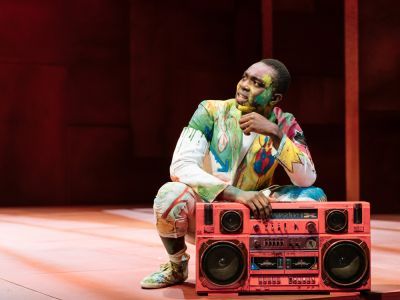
(231, 221)
(223, 263)
(336, 221)
(346, 263)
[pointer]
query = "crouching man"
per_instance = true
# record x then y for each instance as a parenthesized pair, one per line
(229, 152)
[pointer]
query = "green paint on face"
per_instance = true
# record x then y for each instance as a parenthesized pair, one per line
(264, 98)
(257, 86)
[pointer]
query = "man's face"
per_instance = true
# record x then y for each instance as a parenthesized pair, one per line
(254, 91)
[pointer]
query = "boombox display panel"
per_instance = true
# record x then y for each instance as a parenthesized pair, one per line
(302, 247)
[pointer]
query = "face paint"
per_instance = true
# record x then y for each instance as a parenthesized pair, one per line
(264, 98)
(267, 80)
(254, 91)
(245, 109)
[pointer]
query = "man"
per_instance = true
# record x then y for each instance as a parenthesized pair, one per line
(229, 152)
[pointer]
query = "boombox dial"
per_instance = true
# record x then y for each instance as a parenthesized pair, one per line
(311, 243)
(311, 227)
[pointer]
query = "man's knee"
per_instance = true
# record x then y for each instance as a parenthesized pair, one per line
(296, 193)
(171, 207)
(316, 193)
(167, 194)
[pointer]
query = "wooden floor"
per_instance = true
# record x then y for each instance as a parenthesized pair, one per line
(103, 252)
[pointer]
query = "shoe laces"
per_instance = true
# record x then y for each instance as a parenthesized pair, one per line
(166, 266)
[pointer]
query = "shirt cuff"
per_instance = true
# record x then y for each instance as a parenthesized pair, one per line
(209, 193)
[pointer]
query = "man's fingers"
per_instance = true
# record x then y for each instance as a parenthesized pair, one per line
(247, 128)
(265, 204)
(245, 125)
(268, 212)
(253, 208)
(259, 206)
(247, 131)
(272, 199)
(245, 118)
(267, 201)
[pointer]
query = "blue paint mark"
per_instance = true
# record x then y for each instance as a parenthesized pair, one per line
(224, 165)
(208, 133)
(263, 161)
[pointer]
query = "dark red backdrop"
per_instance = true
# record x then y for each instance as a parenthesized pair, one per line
(94, 93)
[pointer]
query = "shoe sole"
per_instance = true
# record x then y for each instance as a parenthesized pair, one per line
(159, 286)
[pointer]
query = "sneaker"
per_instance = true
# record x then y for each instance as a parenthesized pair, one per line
(169, 274)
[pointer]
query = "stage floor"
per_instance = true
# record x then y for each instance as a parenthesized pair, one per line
(103, 253)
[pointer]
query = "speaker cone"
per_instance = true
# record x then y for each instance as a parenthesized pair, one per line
(336, 220)
(345, 263)
(223, 263)
(231, 221)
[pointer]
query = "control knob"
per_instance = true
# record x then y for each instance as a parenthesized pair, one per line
(311, 243)
(311, 227)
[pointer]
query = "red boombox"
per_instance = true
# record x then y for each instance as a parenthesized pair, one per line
(303, 247)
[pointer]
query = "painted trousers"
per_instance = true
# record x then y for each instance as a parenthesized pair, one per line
(175, 206)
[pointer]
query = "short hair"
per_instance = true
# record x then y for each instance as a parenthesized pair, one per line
(283, 78)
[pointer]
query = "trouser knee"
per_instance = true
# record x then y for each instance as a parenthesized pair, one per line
(318, 194)
(296, 193)
(171, 208)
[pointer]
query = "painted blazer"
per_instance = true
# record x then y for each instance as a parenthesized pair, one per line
(206, 156)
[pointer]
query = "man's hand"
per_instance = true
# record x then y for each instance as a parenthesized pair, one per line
(254, 122)
(257, 202)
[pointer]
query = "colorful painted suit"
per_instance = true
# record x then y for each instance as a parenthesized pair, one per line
(215, 127)
(207, 159)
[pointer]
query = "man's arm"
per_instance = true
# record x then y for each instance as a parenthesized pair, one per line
(187, 165)
(192, 146)
(297, 163)
(293, 153)
(288, 139)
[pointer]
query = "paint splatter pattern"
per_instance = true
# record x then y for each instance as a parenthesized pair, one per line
(218, 123)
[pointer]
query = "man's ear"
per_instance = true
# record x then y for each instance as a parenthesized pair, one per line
(276, 98)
